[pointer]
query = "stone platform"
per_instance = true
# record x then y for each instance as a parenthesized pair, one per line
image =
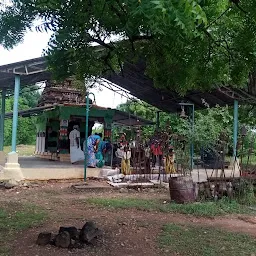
(34, 168)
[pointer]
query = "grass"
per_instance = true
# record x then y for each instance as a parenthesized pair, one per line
(194, 241)
(15, 217)
(23, 150)
(204, 209)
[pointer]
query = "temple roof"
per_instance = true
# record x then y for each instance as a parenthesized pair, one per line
(119, 117)
(61, 93)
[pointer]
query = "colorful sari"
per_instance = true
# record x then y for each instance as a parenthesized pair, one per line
(91, 143)
(99, 154)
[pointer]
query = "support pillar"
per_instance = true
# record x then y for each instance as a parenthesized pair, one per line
(12, 167)
(15, 112)
(235, 164)
(2, 155)
(235, 128)
(192, 143)
(158, 120)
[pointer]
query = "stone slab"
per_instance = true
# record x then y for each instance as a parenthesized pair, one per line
(131, 185)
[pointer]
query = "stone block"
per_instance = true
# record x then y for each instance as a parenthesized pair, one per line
(12, 168)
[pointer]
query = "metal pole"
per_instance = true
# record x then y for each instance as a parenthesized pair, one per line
(192, 143)
(15, 112)
(157, 120)
(192, 121)
(112, 147)
(86, 132)
(86, 135)
(235, 128)
(2, 120)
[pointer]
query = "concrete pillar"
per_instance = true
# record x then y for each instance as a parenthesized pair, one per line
(15, 112)
(43, 142)
(12, 168)
(37, 143)
(2, 154)
(40, 143)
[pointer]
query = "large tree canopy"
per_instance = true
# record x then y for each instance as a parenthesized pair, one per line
(186, 44)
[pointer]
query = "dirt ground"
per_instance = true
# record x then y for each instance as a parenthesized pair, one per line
(126, 232)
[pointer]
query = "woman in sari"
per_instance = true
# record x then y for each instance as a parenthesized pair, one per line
(100, 154)
(92, 147)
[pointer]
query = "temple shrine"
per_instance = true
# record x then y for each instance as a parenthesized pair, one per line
(64, 106)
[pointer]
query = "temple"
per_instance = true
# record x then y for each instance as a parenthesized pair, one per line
(60, 107)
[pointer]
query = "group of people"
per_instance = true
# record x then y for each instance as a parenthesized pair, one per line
(95, 148)
(153, 154)
(156, 152)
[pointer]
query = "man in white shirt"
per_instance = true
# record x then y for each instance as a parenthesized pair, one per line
(76, 154)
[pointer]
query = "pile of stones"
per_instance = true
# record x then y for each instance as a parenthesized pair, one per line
(71, 237)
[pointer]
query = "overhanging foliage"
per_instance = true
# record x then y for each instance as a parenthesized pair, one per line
(186, 44)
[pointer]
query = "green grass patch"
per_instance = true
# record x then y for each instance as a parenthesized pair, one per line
(23, 150)
(206, 209)
(15, 217)
(195, 241)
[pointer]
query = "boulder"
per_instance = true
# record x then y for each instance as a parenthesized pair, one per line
(89, 232)
(73, 232)
(63, 240)
(44, 238)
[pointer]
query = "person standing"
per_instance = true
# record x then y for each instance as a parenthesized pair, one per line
(157, 153)
(76, 153)
(125, 164)
(170, 161)
(92, 147)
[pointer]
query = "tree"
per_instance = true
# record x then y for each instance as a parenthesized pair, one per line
(208, 126)
(26, 131)
(186, 44)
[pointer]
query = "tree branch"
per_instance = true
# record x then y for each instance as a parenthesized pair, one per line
(142, 37)
(102, 43)
(214, 21)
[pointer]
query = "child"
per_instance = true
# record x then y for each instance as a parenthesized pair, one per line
(169, 162)
(125, 164)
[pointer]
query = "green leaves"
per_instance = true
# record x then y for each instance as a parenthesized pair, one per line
(195, 44)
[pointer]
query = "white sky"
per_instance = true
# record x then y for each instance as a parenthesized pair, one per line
(32, 47)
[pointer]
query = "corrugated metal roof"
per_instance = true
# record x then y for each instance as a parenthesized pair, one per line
(133, 80)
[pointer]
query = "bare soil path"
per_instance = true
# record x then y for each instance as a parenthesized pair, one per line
(126, 231)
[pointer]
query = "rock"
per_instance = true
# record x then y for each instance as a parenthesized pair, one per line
(8, 185)
(63, 240)
(44, 238)
(2, 185)
(73, 232)
(89, 232)
(25, 185)
(11, 184)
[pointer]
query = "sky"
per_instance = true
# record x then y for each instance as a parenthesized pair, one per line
(32, 47)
